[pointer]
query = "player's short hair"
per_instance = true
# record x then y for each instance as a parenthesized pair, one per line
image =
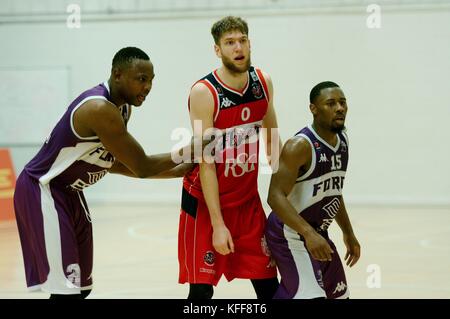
(315, 92)
(228, 24)
(126, 55)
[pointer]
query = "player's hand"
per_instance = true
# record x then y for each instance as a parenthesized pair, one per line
(195, 151)
(222, 241)
(318, 247)
(272, 263)
(353, 249)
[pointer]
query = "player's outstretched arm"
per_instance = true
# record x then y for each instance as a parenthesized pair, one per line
(103, 119)
(351, 243)
(178, 171)
(295, 155)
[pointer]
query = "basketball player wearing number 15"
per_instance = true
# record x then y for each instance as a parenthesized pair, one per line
(306, 196)
(222, 220)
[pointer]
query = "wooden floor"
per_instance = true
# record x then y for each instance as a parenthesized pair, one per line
(135, 254)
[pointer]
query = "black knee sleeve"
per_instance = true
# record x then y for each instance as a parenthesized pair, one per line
(61, 297)
(82, 295)
(265, 288)
(200, 291)
(85, 293)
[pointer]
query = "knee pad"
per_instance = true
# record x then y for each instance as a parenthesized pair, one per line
(200, 291)
(85, 293)
(61, 297)
(265, 288)
(82, 295)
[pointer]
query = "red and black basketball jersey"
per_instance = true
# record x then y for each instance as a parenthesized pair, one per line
(241, 114)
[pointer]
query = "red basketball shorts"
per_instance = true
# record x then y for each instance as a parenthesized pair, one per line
(200, 263)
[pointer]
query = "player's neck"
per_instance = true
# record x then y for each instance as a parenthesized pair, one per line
(114, 96)
(327, 135)
(234, 80)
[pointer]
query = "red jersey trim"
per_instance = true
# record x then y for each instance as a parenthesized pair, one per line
(241, 93)
(215, 96)
(263, 81)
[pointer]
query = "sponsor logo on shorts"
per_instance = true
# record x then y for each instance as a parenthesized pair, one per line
(73, 271)
(209, 258)
(208, 271)
(319, 278)
(341, 286)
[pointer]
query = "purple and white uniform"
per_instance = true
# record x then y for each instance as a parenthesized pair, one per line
(52, 215)
(316, 196)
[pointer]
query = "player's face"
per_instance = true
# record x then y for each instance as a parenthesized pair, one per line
(136, 81)
(234, 50)
(330, 109)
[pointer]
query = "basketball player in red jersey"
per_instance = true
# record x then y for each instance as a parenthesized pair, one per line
(222, 220)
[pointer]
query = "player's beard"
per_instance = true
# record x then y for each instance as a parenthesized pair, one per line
(337, 128)
(228, 63)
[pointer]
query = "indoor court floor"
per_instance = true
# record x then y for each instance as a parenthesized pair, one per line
(135, 254)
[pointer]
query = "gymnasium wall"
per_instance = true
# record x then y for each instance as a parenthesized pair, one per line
(395, 78)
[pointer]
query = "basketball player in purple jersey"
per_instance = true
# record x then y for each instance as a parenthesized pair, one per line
(306, 196)
(90, 140)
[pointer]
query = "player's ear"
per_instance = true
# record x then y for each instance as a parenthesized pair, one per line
(313, 108)
(116, 73)
(217, 50)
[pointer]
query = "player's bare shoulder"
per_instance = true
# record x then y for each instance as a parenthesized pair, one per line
(297, 145)
(97, 114)
(201, 99)
(297, 150)
(266, 76)
(99, 106)
(201, 92)
(95, 109)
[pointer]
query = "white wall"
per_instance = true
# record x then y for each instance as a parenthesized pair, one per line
(395, 79)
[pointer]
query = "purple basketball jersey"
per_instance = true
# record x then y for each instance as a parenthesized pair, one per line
(69, 160)
(316, 194)
(52, 215)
